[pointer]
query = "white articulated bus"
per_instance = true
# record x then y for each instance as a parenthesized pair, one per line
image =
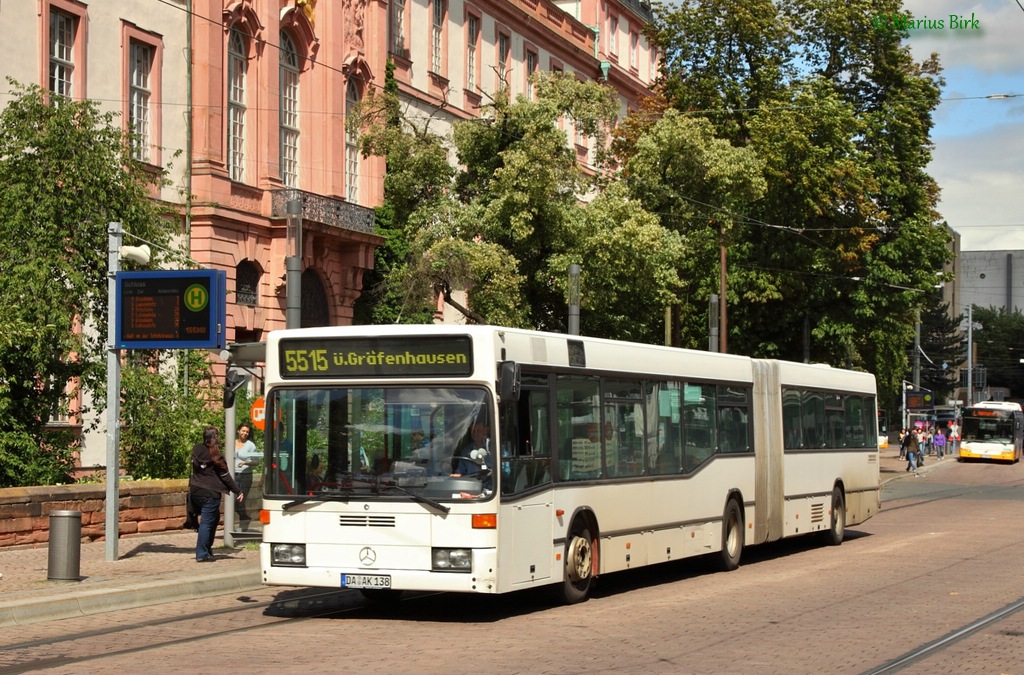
(481, 459)
(992, 430)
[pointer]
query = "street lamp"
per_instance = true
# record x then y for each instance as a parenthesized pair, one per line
(139, 254)
(293, 266)
(574, 299)
(970, 356)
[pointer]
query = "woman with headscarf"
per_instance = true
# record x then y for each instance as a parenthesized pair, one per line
(209, 482)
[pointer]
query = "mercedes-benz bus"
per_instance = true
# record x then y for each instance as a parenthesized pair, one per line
(481, 459)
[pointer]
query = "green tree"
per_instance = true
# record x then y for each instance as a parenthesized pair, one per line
(491, 227)
(700, 187)
(67, 171)
(943, 347)
(629, 267)
(167, 403)
(521, 180)
(417, 175)
(840, 114)
(997, 347)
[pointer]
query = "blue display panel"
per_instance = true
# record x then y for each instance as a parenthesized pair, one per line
(171, 310)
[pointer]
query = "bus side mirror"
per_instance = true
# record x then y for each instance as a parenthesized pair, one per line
(508, 382)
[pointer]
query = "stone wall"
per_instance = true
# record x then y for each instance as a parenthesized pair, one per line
(145, 506)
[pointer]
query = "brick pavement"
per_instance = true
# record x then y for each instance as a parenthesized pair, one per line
(156, 568)
(150, 569)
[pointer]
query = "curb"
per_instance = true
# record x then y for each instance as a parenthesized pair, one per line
(126, 596)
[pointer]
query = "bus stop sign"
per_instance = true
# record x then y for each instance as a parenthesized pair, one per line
(171, 310)
(920, 400)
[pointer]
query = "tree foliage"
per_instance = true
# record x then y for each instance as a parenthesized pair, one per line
(840, 115)
(168, 402)
(492, 226)
(418, 174)
(997, 347)
(792, 133)
(67, 172)
(942, 348)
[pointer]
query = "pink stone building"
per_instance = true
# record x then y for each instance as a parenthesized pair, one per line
(245, 101)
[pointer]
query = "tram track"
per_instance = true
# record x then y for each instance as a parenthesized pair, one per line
(931, 650)
(192, 627)
(935, 647)
(951, 493)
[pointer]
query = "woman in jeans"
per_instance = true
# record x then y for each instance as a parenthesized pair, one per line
(210, 480)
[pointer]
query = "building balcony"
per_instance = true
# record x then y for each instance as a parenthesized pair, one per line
(328, 211)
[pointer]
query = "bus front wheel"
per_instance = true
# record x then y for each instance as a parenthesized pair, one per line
(579, 568)
(732, 537)
(837, 531)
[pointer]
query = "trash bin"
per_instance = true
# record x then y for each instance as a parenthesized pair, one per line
(65, 552)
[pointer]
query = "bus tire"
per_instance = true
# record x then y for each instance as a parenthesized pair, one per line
(837, 528)
(578, 576)
(732, 537)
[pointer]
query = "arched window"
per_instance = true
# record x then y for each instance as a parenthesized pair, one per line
(237, 65)
(247, 284)
(315, 309)
(351, 147)
(289, 112)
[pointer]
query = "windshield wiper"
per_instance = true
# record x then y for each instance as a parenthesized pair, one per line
(415, 497)
(343, 495)
(334, 496)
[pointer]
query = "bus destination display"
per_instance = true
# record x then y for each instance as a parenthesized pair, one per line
(376, 357)
(170, 310)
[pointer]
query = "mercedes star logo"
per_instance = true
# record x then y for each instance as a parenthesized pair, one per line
(367, 556)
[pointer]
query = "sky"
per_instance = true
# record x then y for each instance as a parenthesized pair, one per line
(978, 159)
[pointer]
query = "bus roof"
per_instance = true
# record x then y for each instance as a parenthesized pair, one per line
(543, 348)
(1008, 406)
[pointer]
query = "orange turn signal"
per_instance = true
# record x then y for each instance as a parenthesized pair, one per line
(265, 516)
(485, 521)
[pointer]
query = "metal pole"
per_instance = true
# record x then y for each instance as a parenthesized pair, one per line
(917, 351)
(293, 266)
(723, 329)
(970, 356)
(112, 521)
(229, 455)
(713, 322)
(574, 299)
(906, 415)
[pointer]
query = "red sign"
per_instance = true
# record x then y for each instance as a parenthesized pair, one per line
(257, 413)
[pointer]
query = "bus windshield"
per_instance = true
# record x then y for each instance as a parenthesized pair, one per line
(995, 428)
(385, 442)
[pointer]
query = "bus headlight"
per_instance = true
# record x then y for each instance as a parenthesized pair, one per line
(293, 555)
(452, 559)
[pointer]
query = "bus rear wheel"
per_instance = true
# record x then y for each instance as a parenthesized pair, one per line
(837, 530)
(732, 537)
(579, 568)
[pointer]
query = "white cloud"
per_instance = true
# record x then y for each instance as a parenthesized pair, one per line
(994, 48)
(982, 196)
(978, 158)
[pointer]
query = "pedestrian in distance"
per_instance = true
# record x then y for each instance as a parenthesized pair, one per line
(904, 439)
(913, 448)
(247, 457)
(940, 443)
(209, 482)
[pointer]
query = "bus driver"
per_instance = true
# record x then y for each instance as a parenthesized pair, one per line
(475, 456)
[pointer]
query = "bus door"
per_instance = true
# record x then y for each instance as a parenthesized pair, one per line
(526, 521)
